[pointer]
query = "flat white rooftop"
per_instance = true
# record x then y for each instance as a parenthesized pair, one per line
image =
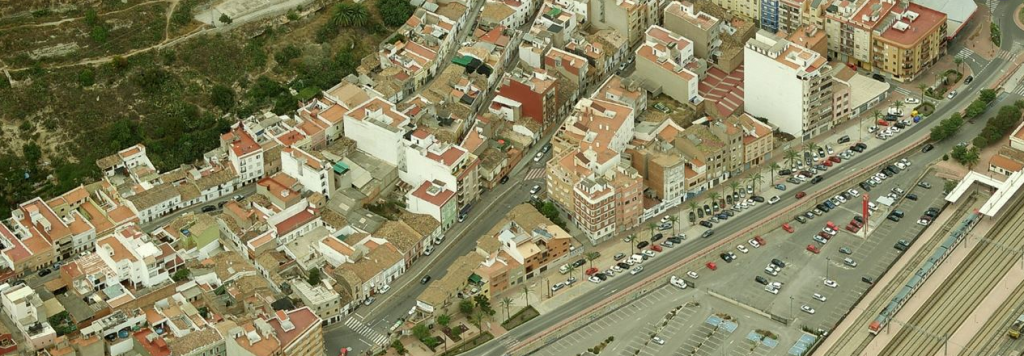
(1004, 190)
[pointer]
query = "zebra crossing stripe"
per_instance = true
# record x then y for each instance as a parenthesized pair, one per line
(365, 331)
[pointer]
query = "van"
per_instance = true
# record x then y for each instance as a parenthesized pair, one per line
(637, 258)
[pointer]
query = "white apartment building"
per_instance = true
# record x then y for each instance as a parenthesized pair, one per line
(427, 159)
(245, 154)
(663, 59)
(792, 88)
(313, 173)
(377, 127)
(130, 254)
(24, 307)
(321, 299)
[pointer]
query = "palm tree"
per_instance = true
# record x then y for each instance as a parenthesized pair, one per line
(652, 225)
(734, 185)
(792, 155)
(714, 198)
(958, 61)
(811, 147)
(631, 238)
(591, 256)
(922, 87)
(774, 166)
(898, 104)
(693, 211)
(674, 219)
(754, 179)
(971, 158)
(506, 302)
(572, 269)
(526, 292)
(877, 115)
(349, 14)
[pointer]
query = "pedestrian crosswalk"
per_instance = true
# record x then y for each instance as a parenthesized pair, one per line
(373, 336)
(1019, 90)
(1008, 55)
(964, 53)
(535, 173)
(904, 91)
(992, 5)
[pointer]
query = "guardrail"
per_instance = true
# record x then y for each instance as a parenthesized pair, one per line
(640, 289)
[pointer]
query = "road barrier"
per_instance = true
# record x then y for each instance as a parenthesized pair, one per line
(658, 279)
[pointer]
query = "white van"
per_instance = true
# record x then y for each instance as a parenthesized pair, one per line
(637, 258)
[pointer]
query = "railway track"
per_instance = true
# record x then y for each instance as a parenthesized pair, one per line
(858, 335)
(992, 339)
(957, 296)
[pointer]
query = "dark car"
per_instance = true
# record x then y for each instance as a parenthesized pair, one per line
(778, 262)
(623, 265)
(912, 196)
(209, 208)
(706, 224)
(821, 152)
(657, 237)
(844, 139)
(582, 261)
(504, 180)
(932, 212)
(865, 186)
(900, 125)
(816, 180)
(707, 234)
(640, 244)
(902, 245)
(898, 213)
(601, 276)
(757, 198)
(425, 279)
(867, 280)
(969, 79)
(761, 280)
(857, 149)
(707, 209)
(43, 272)
(806, 174)
(674, 239)
(927, 147)
(893, 218)
(862, 145)
(785, 172)
(858, 218)
(878, 77)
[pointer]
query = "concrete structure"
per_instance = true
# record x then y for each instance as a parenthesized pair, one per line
(751, 9)
(957, 13)
(912, 43)
(24, 307)
(792, 88)
(790, 16)
(701, 28)
(299, 332)
(315, 174)
(129, 253)
(321, 299)
(533, 96)
(667, 55)
(435, 199)
(523, 245)
(245, 155)
(628, 17)
(377, 128)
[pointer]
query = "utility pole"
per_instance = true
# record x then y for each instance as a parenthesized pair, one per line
(828, 261)
(791, 308)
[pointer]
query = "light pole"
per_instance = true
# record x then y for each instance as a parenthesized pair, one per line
(828, 261)
(791, 307)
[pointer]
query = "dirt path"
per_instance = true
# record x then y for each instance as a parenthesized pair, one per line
(167, 19)
(58, 22)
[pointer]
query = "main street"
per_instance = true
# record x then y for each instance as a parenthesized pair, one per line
(870, 158)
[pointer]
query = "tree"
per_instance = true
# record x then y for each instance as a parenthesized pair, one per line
(181, 274)
(733, 185)
(674, 219)
(972, 157)
(466, 307)
(222, 97)
(591, 256)
(811, 147)
(225, 19)
(483, 303)
(922, 87)
(526, 292)
(714, 198)
(987, 95)
(506, 302)
(86, 78)
(399, 348)
(287, 54)
(421, 331)
(444, 319)
(948, 186)
(652, 225)
(791, 156)
(774, 167)
(572, 268)
(693, 211)
(314, 276)
(349, 14)
(754, 179)
(976, 108)
(958, 61)
(32, 153)
(394, 12)
(898, 105)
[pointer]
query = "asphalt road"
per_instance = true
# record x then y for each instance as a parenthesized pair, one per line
(869, 158)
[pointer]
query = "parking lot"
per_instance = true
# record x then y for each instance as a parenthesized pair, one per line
(690, 322)
(805, 271)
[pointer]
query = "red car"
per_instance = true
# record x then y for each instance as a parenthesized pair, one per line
(591, 271)
(656, 248)
(835, 159)
(760, 240)
(856, 223)
(814, 249)
(800, 195)
(827, 163)
(788, 228)
(831, 225)
(852, 228)
(824, 235)
(883, 123)
(711, 266)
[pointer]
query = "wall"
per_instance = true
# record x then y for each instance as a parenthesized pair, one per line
(775, 93)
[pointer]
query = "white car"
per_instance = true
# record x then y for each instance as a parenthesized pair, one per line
(771, 290)
(807, 309)
(692, 274)
(535, 189)
(776, 285)
(384, 289)
(649, 253)
(829, 231)
(819, 297)
(750, 189)
(906, 162)
(830, 283)
(840, 199)
(594, 279)
(951, 94)
(658, 340)
(829, 149)
(771, 270)
(773, 200)
(753, 243)
(678, 282)
(923, 222)
(638, 269)
(742, 248)
(538, 156)
(853, 192)
(910, 100)
(616, 269)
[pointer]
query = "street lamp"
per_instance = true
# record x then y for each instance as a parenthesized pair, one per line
(791, 307)
(828, 261)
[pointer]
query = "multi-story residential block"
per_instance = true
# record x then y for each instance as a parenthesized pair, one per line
(315, 174)
(409, 242)
(532, 95)
(375, 263)
(204, 342)
(556, 22)
(629, 17)
(125, 160)
(245, 155)
(521, 246)
(841, 94)
(912, 43)
(793, 87)
(700, 28)
(751, 9)
(26, 254)
(321, 299)
(299, 331)
(790, 14)
(570, 66)
(770, 15)
(135, 259)
(661, 164)
(377, 128)
(703, 147)
(66, 234)
(24, 307)
(427, 159)
(667, 55)
(434, 198)
(507, 13)
(850, 25)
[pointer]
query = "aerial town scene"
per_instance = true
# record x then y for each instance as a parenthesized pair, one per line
(511, 177)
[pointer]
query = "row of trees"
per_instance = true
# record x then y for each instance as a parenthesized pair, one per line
(997, 127)
(947, 127)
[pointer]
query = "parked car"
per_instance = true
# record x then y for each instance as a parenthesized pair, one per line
(951, 94)
(425, 279)
(816, 180)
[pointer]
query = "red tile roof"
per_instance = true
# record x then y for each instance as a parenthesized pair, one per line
(302, 319)
(297, 220)
(241, 142)
(438, 199)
